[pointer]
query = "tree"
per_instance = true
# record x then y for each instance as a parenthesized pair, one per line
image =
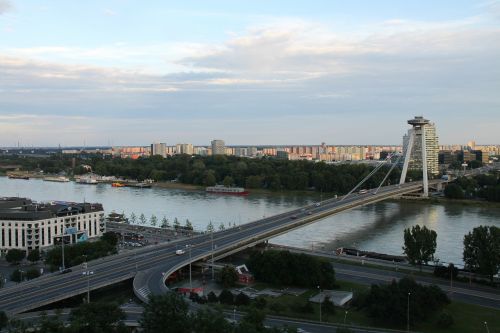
(110, 237)
(242, 299)
(226, 297)
(228, 276)
(328, 307)
(212, 298)
(96, 317)
(420, 244)
(209, 179)
(210, 227)
(221, 226)
(189, 226)
(17, 276)
(3, 320)
(228, 181)
(153, 220)
(133, 218)
(482, 250)
(453, 191)
(168, 310)
(14, 256)
(209, 321)
(164, 223)
(33, 255)
(32, 273)
(142, 219)
(177, 224)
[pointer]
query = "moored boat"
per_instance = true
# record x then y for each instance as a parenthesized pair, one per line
(59, 179)
(117, 184)
(221, 189)
(15, 176)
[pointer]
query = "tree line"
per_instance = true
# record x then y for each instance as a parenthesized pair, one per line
(260, 173)
(485, 187)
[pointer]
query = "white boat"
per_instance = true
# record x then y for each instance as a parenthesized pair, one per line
(60, 179)
(86, 180)
(221, 189)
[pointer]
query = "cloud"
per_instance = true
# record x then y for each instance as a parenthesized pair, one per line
(5, 6)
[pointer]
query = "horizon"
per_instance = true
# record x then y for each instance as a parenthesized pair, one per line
(263, 71)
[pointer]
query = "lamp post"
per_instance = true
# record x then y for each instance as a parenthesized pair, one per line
(345, 316)
(88, 274)
(408, 314)
(486, 325)
(190, 278)
(319, 304)
(212, 239)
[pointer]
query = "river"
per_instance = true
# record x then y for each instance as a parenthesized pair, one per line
(378, 227)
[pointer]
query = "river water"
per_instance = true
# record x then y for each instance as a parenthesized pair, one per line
(378, 227)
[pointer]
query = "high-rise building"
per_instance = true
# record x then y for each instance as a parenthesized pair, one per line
(218, 147)
(159, 149)
(184, 148)
(427, 128)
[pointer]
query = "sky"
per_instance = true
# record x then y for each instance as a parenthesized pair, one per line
(124, 72)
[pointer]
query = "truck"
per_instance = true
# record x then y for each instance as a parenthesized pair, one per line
(179, 252)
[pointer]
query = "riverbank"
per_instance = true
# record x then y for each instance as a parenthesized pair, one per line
(446, 201)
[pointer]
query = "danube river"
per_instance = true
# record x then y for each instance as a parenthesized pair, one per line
(377, 227)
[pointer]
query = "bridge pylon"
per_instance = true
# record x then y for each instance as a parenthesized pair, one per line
(416, 140)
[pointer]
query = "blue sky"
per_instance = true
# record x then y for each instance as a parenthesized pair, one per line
(250, 72)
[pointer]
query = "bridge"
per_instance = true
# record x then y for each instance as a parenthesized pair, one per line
(150, 266)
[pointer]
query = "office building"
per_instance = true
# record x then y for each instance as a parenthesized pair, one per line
(27, 225)
(159, 149)
(218, 147)
(423, 126)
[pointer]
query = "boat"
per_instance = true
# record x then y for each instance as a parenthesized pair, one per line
(117, 184)
(221, 189)
(60, 179)
(139, 185)
(14, 176)
(86, 180)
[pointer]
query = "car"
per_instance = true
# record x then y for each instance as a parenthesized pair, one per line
(309, 213)
(317, 204)
(67, 270)
(179, 252)
(293, 217)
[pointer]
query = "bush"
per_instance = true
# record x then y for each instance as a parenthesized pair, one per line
(32, 273)
(212, 298)
(277, 307)
(226, 297)
(446, 272)
(260, 302)
(242, 299)
(34, 255)
(17, 276)
(14, 256)
(454, 191)
(445, 320)
(227, 276)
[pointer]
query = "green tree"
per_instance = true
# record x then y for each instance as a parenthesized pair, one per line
(153, 220)
(165, 311)
(177, 224)
(3, 320)
(212, 298)
(328, 307)
(209, 321)
(482, 250)
(110, 238)
(133, 218)
(189, 226)
(33, 255)
(97, 317)
(228, 181)
(242, 299)
(221, 226)
(142, 219)
(210, 227)
(453, 191)
(227, 276)
(17, 276)
(226, 297)
(14, 256)
(209, 179)
(32, 273)
(164, 223)
(420, 244)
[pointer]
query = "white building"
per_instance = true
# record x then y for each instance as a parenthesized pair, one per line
(184, 148)
(159, 149)
(218, 147)
(26, 225)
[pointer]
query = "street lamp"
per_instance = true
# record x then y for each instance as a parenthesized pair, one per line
(408, 314)
(87, 273)
(345, 316)
(190, 278)
(486, 325)
(212, 239)
(319, 304)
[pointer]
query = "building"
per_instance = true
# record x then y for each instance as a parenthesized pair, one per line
(218, 147)
(184, 148)
(159, 149)
(482, 156)
(423, 126)
(447, 157)
(27, 225)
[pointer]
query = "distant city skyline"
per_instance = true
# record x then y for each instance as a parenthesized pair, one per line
(249, 73)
